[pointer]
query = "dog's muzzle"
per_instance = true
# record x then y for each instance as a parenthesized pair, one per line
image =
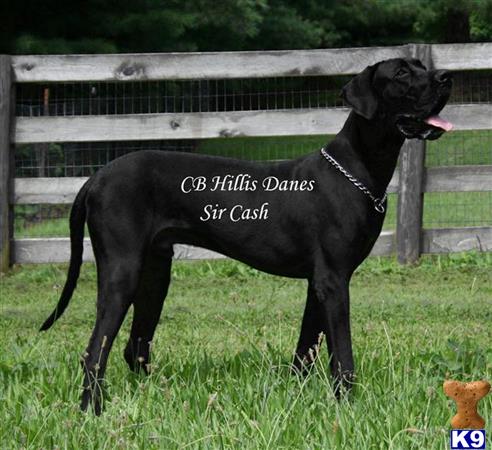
(431, 125)
(429, 128)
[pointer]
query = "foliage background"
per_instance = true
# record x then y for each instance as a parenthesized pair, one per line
(110, 26)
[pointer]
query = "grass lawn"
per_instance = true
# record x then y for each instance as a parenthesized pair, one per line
(221, 377)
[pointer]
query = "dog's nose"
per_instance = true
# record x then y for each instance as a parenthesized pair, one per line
(443, 76)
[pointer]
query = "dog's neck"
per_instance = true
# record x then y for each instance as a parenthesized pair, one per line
(378, 155)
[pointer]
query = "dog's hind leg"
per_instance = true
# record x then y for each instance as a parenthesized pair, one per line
(117, 284)
(147, 307)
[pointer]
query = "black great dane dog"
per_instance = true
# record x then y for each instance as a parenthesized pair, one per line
(315, 217)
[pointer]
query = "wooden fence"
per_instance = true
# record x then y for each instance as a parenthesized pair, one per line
(411, 181)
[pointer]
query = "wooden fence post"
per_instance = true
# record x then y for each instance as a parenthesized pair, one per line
(411, 197)
(410, 202)
(5, 116)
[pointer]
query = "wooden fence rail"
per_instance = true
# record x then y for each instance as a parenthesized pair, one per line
(410, 182)
(222, 65)
(295, 122)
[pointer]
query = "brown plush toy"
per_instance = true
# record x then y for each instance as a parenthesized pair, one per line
(466, 396)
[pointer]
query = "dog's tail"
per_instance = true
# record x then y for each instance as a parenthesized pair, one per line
(77, 222)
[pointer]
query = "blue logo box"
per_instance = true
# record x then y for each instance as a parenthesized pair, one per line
(467, 439)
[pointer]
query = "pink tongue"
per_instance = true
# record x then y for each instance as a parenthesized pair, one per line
(439, 122)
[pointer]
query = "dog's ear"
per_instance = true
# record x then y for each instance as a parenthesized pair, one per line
(360, 94)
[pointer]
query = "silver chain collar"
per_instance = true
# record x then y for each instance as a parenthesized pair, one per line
(378, 202)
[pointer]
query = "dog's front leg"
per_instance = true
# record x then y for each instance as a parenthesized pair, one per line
(327, 311)
(311, 333)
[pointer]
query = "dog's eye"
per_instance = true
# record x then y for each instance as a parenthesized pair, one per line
(401, 73)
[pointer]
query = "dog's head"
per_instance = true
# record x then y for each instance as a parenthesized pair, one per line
(404, 93)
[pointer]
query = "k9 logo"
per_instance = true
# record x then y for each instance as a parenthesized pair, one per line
(467, 439)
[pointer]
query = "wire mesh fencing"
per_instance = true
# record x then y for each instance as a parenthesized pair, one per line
(178, 96)
(186, 96)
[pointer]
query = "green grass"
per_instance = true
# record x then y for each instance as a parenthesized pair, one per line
(221, 354)
(263, 148)
(460, 148)
(457, 209)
